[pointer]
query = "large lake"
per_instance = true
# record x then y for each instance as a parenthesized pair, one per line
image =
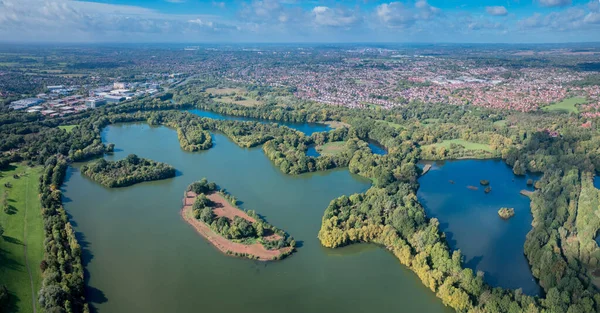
(471, 222)
(140, 256)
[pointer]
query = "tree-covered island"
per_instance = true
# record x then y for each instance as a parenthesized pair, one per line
(215, 215)
(127, 172)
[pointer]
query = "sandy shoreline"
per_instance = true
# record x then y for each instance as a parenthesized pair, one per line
(221, 243)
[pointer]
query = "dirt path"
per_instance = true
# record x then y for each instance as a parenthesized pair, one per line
(220, 242)
(224, 208)
(25, 246)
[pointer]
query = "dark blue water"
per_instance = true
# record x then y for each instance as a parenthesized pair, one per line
(471, 222)
(306, 128)
(377, 148)
(312, 151)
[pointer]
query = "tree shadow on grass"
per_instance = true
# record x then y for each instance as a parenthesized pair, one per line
(12, 240)
(11, 210)
(8, 261)
(13, 303)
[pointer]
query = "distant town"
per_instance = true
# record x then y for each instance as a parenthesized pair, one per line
(64, 100)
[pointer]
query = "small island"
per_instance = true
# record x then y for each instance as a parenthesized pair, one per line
(484, 182)
(506, 213)
(127, 172)
(215, 215)
(487, 189)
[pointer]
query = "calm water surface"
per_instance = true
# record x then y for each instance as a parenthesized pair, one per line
(471, 222)
(140, 256)
(307, 128)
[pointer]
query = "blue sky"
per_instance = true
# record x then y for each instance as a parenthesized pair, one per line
(197, 21)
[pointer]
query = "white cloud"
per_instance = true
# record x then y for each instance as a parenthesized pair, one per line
(566, 20)
(425, 11)
(395, 15)
(219, 4)
(85, 21)
(496, 10)
(400, 15)
(201, 22)
(592, 18)
(336, 17)
(555, 3)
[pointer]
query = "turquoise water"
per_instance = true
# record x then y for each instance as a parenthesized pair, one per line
(471, 222)
(306, 128)
(140, 256)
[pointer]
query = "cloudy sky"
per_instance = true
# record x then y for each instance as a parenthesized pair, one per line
(198, 21)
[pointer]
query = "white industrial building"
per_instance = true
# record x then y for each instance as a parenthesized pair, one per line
(25, 103)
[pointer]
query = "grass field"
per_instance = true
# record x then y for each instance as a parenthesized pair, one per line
(68, 128)
(224, 91)
(23, 230)
(466, 144)
(565, 106)
(500, 123)
(337, 124)
(331, 148)
(225, 96)
(431, 120)
(396, 126)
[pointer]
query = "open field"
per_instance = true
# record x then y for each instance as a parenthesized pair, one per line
(331, 148)
(431, 120)
(21, 248)
(396, 126)
(466, 144)
(336, 124)
(565, 106)
(247, 102)
(68, 128)
(228, 96)
(224, 91)
(500, 123)
(227, 246)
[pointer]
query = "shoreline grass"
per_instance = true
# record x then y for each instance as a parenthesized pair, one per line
(23, 229)
(466, 144)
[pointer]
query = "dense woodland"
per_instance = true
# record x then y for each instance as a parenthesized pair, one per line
(560, 246)
(63, 284)
(127, 172)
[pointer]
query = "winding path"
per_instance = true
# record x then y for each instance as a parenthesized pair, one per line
(25, 246)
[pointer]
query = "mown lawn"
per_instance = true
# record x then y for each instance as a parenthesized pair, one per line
(227, 96)
(565, 106)
(396, 126)
(466, 144)
(68, 128)
(331, 148)
(500, 123)
(23, 228)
